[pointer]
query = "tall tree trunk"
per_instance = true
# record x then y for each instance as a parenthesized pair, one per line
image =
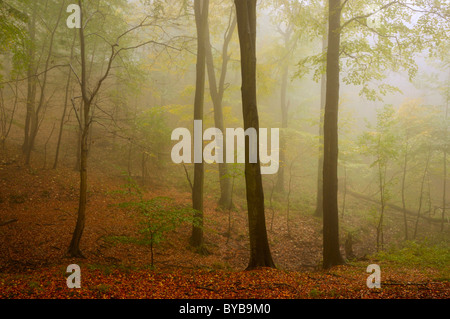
(382, 187)
(31, 75)
(216, 93)
(323, 91)
(284, 105)
(74, 247)
(201, 8)
(284, 124)
(260, 255)
(405, 164)
(331, 252)
(425, 173)
(445, 168)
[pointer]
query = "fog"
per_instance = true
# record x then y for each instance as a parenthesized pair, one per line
(91, 114)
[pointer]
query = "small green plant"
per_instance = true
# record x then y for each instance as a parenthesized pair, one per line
(159, 215)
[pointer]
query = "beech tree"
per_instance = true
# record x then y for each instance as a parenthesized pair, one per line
(260, 255)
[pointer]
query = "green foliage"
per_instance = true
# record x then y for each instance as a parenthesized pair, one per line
(158, 215)
(370, 50)
(381, 141)
(419, 254)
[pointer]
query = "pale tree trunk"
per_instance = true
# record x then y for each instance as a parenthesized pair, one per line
(405, 164)
(201, 8)
(284, 124)
(419, 210)
(34, 116)
(260, 255)
(445, 168)
(66, 102)
(323, 90)
(216, 92)
(31, 75)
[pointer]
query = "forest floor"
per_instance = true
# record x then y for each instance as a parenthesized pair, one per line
(40, 207)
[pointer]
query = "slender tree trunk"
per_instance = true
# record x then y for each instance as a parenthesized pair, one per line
(7, 124)
(66, 102)
(425, 173)
(331, 250)
(74, 247)
(201, 8)
(445, 168)
(344, 196)
(31, 74)
(323, 91)
(260, 255)
(284, 124)
(34, 119)
(216, 93)
(405, 164)
(382, 185)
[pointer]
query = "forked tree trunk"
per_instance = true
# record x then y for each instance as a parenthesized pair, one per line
(216, 92)
(260, 255)
(331, 252)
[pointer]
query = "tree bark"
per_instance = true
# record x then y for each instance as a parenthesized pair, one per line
(331, 252)
(260, 255)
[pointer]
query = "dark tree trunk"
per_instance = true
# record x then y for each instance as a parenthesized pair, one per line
(85, 121)
(201, 8)
(74, 248)
(260, 255)
(331, 252)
